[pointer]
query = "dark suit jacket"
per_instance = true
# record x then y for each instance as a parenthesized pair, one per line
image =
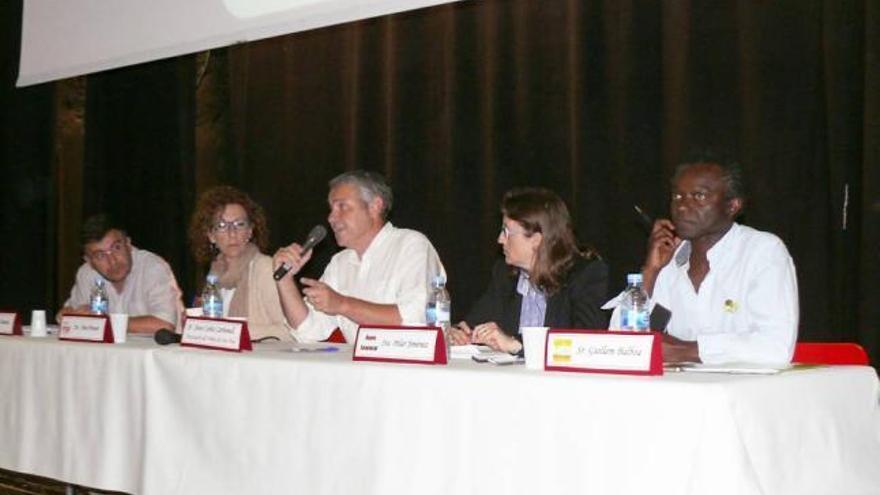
(575, 305)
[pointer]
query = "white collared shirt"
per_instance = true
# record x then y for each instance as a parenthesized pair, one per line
(396, 268)
(747, 306)
(150, 289)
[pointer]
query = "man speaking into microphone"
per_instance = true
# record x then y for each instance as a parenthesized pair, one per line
(380, 278)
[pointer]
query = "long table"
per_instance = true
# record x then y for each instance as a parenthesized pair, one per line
(141, 418)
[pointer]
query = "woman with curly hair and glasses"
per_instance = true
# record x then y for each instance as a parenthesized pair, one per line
(544, 280)
(228, 230)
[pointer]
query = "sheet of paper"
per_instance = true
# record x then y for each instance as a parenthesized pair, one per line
(729, 368)
(467, 351)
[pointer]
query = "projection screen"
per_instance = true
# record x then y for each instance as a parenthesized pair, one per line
(66, 38)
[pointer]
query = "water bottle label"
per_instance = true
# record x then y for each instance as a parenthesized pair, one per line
(431, 315)
(213, 308)
(98, 306)
(634, 320)
(442, 313)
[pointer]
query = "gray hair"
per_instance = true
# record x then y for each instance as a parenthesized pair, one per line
(370, 184)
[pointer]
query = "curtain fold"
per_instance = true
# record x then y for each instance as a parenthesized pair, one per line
(139, 161)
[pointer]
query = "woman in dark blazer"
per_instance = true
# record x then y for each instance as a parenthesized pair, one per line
(544, 280)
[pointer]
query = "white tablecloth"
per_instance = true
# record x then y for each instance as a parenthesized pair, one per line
(146, 419)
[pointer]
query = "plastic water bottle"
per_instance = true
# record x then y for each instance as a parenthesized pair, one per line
(98, 298)
(634, 313)
(437, 313)
(439, 308)
(212, 301)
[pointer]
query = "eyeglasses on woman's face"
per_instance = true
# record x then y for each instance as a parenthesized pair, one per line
(507, 232)
(231, 226)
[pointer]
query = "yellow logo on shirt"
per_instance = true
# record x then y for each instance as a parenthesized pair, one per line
(730, 306)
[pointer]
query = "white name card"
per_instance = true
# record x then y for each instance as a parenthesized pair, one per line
(590, 351)
(216, 333)
(92, 328)
(420, 345)
(10, 324)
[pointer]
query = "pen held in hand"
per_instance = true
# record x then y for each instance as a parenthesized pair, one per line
(645, 219)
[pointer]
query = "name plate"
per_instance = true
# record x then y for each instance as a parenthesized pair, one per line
(419, 345)
(85, 328)
(590, 351)
(10, 323)
(216, 333)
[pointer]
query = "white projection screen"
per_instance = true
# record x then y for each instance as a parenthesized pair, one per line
(66, 38)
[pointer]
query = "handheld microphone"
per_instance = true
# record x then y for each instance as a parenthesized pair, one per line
(163, 336)
(315, 236)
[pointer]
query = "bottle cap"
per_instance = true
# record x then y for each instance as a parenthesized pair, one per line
(99, 280)
(438, 281)
(211, 278)
(634, 278)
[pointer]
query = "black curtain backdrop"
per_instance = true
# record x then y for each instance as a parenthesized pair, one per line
(456, 104)
(139, 155)
(27, 190)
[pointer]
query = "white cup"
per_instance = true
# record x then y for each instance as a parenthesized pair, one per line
(119, 323)
(38, 323)
(534, 341)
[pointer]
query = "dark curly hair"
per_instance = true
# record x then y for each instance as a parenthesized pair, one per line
(210, 204)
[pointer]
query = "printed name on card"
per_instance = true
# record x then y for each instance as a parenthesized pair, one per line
(10, 323)
(216, 333)
(85, 328)
(420, 345)
(592, 351)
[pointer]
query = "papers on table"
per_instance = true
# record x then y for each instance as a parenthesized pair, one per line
(50, 329)
(728, 368)
(467, 351)
(484, 354)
